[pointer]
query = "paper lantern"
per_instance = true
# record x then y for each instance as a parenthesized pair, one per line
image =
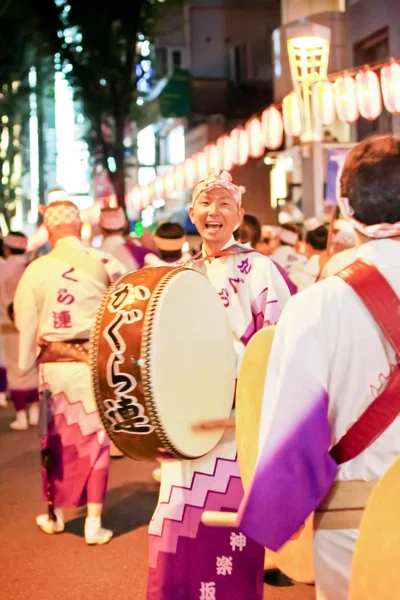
(291, 115)
(169, 183)
(256, 144)
(179, 177)
(369, 98)
(159, 189)
(145, 196)
(224, 148)
(390, 82)
(201, 165)
(323, 98)
(346, 99)
(135, 198)
(272, 128)
(213, 158)
(190, 173)
(240, 146)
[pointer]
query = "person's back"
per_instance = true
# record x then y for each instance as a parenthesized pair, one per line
(169, 239)
(330, 355)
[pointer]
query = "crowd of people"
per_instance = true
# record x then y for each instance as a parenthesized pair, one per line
(329, 353)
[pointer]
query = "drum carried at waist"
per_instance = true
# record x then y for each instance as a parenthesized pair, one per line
(162, 360)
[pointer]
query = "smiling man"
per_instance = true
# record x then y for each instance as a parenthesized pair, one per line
(188, 560)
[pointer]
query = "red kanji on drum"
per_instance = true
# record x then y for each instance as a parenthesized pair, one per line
(62, 320)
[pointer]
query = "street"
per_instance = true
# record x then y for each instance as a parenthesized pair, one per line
(36, 566)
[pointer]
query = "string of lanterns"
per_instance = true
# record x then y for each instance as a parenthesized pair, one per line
(345, 99)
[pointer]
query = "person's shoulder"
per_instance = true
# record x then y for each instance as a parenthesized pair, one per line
(321, 294)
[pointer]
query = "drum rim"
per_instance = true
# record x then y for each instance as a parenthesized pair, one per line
(145, 355)
(93, 353)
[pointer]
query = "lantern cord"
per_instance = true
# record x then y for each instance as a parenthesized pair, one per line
(374, 66)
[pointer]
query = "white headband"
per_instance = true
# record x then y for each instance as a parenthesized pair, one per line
(112, 218)
(16, 242)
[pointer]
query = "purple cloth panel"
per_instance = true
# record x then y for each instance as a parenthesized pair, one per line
(192, 570)
(21, 398)
(80, 466)
(292, 287)
(290, 481)
(139, 253)
(3, 379)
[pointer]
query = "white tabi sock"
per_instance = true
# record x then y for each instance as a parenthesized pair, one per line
(95, 534)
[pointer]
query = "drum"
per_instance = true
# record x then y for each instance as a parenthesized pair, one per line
(375, 570)
(295, 559)
(162, 360)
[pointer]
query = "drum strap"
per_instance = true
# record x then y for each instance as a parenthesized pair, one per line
(384, 305)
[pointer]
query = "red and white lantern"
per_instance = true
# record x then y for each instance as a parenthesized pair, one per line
(291, 115)
(190, 173)
(368, 91)
(179, 177)
(213, 158)
(323, 97)
(169, 183)
(240, 146)
(272, 128)
(202, 166)
(159, 190)
(224, 148)
(254, 133)
(390, 82)
(135, 198)
(346, 99)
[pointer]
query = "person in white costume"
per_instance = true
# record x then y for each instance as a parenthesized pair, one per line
(55, 305)
(329, 362)
(286, 255)
(186, 558)
(316, 242)
(22, 384)
(130, 253)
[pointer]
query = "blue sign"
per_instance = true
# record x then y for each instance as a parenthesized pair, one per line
(336, 158)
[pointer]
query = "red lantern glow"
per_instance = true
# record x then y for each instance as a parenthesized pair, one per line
(368, 94)
(390, 82)
(254, 133)
(169, 183)
(159, 189)
(291, 115)
(190, 173)
(213, 158)
(324, 102)
(224, 148)
(240, 146)
(272, 128)
(179, 176)
(202, 167)
(346, 99)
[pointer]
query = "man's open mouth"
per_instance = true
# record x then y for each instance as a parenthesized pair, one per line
(213, 226)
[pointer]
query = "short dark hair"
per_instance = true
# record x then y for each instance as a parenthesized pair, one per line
(371, 180)
(249, 230)
(17, 250)
(170, 231)
(318, 238)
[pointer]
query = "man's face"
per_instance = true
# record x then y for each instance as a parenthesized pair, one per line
(216, 214)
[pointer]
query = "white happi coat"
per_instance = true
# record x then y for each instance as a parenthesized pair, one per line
(329, 361)
(288, 259)
(116, 246)
(57, 302)
(339, 261)
(306, 275)
(11, 272)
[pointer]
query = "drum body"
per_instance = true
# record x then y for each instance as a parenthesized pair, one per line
(162, 360)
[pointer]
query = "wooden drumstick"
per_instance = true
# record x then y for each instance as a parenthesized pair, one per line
(214, 424)
(213, 518)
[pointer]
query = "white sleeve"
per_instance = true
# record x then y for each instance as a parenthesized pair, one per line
(26, 315)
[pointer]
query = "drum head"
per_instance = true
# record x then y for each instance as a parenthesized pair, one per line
(375, 570)
(189, 362)
(295, 559)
